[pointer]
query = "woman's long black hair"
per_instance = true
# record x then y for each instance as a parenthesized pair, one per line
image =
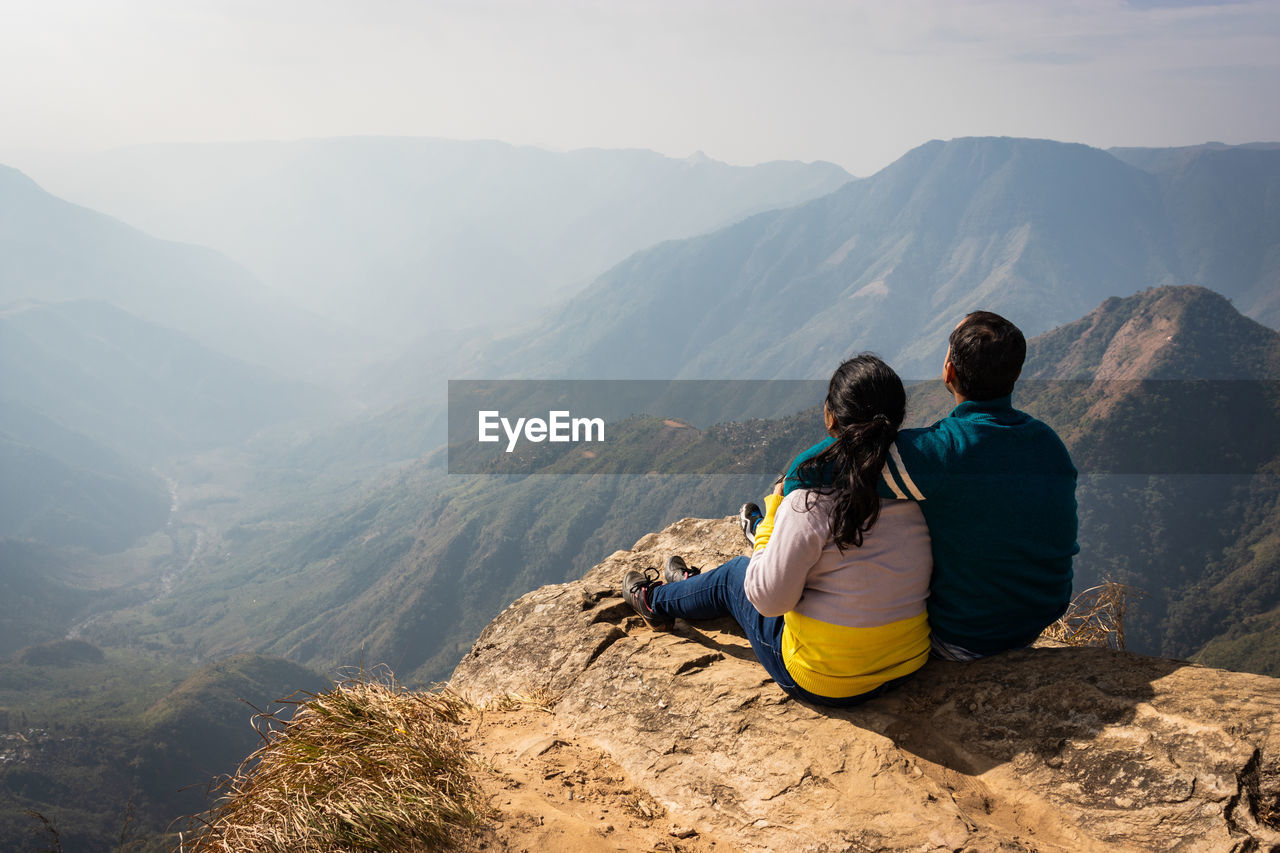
(867, 401)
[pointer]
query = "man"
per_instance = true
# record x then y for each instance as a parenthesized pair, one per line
(997, 489)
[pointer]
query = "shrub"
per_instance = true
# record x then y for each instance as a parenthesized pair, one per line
(367, 765)
(1095, 617)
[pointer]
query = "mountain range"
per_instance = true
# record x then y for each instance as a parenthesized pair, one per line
(1040, 231)
(141, 388)
(203, 453)
(407, 237)
(54, 251)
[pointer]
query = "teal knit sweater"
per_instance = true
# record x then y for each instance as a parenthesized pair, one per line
(997, 488)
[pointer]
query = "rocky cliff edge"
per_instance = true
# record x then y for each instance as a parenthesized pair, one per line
(1048, 749)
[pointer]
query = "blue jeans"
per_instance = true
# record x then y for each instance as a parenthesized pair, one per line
(721, 592)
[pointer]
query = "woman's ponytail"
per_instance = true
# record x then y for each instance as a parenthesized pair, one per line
(867, 402)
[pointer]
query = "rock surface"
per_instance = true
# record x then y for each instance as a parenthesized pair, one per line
(552, 792)
(1048, 749)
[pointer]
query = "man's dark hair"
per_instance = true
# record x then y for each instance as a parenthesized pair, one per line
(987, 352)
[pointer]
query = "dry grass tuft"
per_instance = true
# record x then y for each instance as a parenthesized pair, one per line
(1095, 617)
(541, 698)
(365, 766)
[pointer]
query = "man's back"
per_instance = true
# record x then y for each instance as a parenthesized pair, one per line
(997, 488)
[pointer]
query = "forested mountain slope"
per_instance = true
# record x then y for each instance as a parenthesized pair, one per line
(414, 567)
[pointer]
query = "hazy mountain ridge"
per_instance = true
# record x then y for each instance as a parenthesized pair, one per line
(67, 489)
(55, 251)
(1223, 210)
(1038, 230)
(141, 388)
(38, 597)
(1156, 160)
(403, 236)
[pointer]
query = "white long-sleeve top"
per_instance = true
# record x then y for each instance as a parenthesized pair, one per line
(800, 568)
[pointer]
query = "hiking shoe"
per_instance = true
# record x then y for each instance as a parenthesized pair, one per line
(635, 590)
(748, 517)
(679, 570)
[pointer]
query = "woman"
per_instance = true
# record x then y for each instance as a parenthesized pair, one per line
(833, 596)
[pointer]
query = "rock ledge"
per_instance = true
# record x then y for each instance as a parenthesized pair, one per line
(1049, 749)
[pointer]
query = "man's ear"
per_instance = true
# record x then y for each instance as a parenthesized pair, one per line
(948, 373)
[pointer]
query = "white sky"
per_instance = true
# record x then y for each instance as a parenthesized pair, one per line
(857, 83)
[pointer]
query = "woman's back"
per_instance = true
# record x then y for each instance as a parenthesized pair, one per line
(854, 618)
(884, 580)
(833, 598)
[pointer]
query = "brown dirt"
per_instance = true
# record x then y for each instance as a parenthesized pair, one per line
(553, 793)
